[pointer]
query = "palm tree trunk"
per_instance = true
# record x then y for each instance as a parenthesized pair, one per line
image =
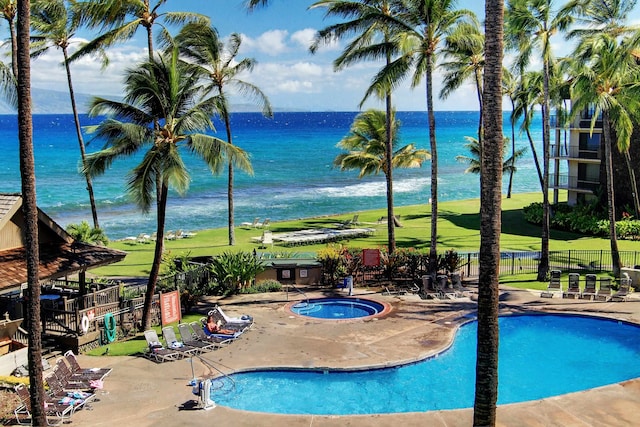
(543, 265)
(30, 212)
(534, 153)
(634, 185)
(486, 385)
(513, 150)
(391, 223)
(433, 254)
(14, 48)
(232, 233)
(611, 211)
(157, 256)
(76, 119)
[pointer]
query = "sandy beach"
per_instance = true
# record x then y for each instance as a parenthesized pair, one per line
(143, 393)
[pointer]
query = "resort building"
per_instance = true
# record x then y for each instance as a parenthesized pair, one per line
(575, 159)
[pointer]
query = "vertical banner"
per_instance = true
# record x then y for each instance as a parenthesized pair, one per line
(170, 307)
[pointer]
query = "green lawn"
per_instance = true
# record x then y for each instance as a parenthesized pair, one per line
(458, 228)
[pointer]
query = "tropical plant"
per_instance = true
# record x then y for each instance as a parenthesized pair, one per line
(233, 272)
(163, 113)
(508, 165)
(8, 13)
(371, 22)
(463, 54)
(54, 23)
(421, 26)
(331, 261)
(120, 19)
(486, 384)
(83, 232)
(530, 24)
(607, 81)
(30, 212)
(221, 68)
(366, 147)
(509, 88)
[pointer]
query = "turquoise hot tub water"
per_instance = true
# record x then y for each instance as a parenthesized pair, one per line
(540, 356)
(337, 308)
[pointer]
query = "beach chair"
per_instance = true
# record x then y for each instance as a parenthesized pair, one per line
(442, 282)
(428, 290)
(264, 224)
(190, 338)
(266, 239)
(573, 288)
(172, 341)
(554, 285)
(76, 398)
(245, 321)
(220, 340)
(70, 381)
(253, 224)
(72, 360)
(623, 291)
(589, 291)
(223, 324)
(55, 412)
(604, 291)
(156, 351)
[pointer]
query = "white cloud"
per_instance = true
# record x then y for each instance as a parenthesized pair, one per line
(272, 42)
(304, 38)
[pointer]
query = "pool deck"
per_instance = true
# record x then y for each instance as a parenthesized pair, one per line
(143, 393)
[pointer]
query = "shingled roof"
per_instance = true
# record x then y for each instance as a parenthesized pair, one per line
(59, 254)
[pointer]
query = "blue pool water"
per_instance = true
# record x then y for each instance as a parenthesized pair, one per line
(540, 356)
(337, 308)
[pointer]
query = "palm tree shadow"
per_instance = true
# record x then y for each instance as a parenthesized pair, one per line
(513, 222)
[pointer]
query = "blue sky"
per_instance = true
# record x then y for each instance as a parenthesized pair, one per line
(278, 38)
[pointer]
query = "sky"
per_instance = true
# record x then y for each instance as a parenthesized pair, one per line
(278, 38)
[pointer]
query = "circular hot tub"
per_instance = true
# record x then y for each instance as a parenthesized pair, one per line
(338, 308)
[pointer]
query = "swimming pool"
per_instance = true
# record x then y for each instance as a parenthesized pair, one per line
(337, 308)
(540, 356)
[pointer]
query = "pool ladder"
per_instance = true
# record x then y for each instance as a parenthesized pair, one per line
(211, 366)
(301, 292)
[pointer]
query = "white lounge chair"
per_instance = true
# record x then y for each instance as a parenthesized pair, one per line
(266, 239)
(253, 224)
(264, 224)
(573, 289)
(604, 292)
(623, 290)
(589, 291)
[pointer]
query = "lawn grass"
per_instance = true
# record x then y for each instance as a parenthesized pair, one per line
(137, 344)
(458, 228)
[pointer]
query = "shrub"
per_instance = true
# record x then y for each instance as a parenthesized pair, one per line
(332, 266)
(234, 271)
(263, 286)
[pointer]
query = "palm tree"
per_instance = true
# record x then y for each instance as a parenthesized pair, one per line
(608, 81)
(422, 26)
(220, 66)
(371, 22)
(55, 25)
(610, 16)
(509, 88)
(530, 24)
(508, 165)
(83, 232)
(486, 387)
(120, 19)
(8, 13)
(366, 146)
(30, 209)
(162, 113)
(463, 53)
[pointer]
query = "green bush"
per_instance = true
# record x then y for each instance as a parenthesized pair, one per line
(263, 286)
(233, 272)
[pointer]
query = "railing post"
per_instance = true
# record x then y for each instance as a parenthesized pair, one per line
(569, 261)
(513, 263)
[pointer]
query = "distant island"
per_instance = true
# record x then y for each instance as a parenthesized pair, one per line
(46, 101)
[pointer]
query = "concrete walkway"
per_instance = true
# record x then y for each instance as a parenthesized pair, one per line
(142, 393)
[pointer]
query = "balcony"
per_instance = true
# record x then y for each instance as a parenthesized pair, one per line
(574, 183)
(573, 152)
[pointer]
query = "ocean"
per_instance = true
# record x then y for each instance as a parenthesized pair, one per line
(292, 156)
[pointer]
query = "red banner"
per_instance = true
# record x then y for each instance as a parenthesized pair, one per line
(170, 307)
(371, 257)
